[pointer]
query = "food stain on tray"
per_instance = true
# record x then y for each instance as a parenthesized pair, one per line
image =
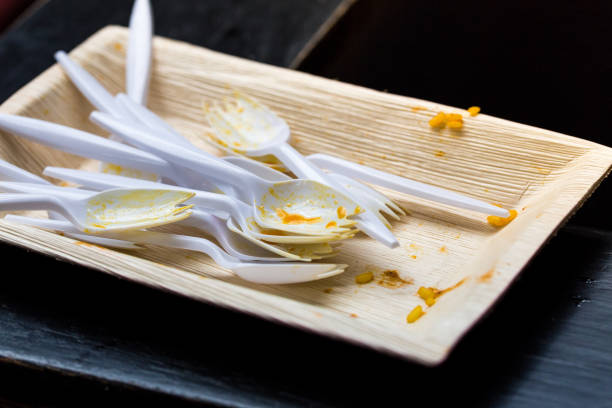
(430, 294)
(391, 279)
(486, 276)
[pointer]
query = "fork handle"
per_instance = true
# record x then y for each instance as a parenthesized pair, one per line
(138, 63)
(404, 185)
(88, 85)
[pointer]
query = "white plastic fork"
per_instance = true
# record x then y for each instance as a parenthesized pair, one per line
(264, 273)
(138, 60)
(406, 186)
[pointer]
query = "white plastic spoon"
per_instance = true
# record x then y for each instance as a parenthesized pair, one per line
(112, 210)
(312, 205)
(265, 273)
(11, 172)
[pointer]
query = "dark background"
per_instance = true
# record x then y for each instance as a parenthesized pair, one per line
(72, 337)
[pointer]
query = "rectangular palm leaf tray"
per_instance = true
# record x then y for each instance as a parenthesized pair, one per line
(544, 175)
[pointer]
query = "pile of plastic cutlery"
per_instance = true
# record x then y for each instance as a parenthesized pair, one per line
(262, 220)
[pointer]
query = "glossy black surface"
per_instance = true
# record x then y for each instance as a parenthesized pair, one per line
(83, 338)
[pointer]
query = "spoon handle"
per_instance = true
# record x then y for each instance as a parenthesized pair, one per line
(209, 167)
(101, 181)
(179, 242)
(11, 172)
(43, 189)
(297, 163)
(70, 230)
(154, 123)
(30, 202)
(82, 143)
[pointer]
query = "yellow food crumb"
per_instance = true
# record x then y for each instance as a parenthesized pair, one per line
(415, 314)
(364, 278)
(413, 256)
(354, 315)
(443, 249)
(417, 108)
(454, 121)
(341, 212)
(428, 295)
(425, 293)
(438, 121)
(473, 110)
(440, 153)
(118, 46)
(454, 117)
(455, 124)
(501, 221)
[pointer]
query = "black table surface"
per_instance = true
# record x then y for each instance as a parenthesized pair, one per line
(73, 336)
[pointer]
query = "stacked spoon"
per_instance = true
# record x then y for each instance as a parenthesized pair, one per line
(260, 217)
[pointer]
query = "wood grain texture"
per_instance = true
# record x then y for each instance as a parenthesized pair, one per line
(545, 173)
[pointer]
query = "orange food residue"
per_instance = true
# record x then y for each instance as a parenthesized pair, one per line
(430, 294)
(391, 279)
(417, 108)
(439, 153)
(473, 110)
(118, 46)
(341, 212)
(413, 256)
(438, 121)
(501, 221)
(415, 314)
(331, 224)
(454, 121)
(294, 219)
(354, 315)
(443, 249)
(486, 276)
(365, 277)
